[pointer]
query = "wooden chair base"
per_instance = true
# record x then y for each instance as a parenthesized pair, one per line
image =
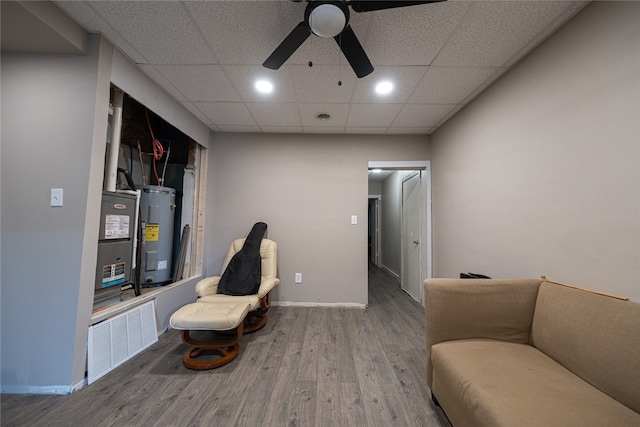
(214, 349)
(254, 321)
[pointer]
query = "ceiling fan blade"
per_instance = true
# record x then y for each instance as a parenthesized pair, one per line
(289, 45)
(354, 52)
(369, 5)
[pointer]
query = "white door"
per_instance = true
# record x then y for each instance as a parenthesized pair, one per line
(411, 245)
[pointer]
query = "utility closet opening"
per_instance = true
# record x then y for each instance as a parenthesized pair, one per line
(149, 205)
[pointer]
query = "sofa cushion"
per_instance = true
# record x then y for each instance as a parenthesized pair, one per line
(478, 308)
(497, 383)
(596, 337)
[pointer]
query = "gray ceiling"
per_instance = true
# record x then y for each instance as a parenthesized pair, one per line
(207, 54)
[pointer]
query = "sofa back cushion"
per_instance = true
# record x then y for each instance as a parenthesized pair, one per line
(595, 336)
(456, 309)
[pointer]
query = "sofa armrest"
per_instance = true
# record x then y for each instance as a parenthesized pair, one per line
(457, 309)
(207, 286)
(266, 285)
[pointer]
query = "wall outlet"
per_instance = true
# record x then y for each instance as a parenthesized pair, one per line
(298, 278)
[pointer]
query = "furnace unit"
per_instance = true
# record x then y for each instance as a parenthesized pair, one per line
(115, 244)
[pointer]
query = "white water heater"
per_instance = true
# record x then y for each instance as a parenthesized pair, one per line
(157, 209)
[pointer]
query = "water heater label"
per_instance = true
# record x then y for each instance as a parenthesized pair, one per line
(162, 265)
(116, 227)
(151, 233)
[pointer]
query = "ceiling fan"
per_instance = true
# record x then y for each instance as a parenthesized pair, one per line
(330, 18)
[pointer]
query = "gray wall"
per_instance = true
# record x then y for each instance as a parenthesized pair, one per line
(391, 256)
(54, 127)
(541, 174)
(305, 187)
(50, 139)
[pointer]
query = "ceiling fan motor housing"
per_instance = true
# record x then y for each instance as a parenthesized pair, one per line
(326, 18)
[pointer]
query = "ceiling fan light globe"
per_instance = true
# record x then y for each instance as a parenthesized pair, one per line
(327, 20)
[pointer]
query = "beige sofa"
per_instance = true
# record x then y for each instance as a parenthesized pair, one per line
(528, 352)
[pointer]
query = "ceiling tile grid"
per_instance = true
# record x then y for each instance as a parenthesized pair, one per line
(200, 83)
(412, 36)
(270, 114)
(427, 115)
(338, 113)
(208, 56)
(244, 77)
(372, 115)
(404, 79)
(226, 113)
(163, 32)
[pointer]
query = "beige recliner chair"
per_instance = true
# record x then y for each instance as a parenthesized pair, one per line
(259, 303)
(216, 322)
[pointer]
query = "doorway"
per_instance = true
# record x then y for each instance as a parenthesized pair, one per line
(402, 201)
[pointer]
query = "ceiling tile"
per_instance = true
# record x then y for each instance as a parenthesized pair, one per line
(411, 35)
(404, 80)
(408, 131)
(275, 114)
(239, 32)
(328, 129)
(281, 129)
(196, 112)
(240, 129)
(319, 84)
(226, 113)
(155, 75)
(338, 113)
(200, 82)
(87, 16)
(492, 32)
(372, 115)
(206, 54)
(422, 115)
(244, 78)
(365, 130)
(449, 85)
(163, 31)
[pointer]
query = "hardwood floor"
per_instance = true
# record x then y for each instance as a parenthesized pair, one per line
(307, 367)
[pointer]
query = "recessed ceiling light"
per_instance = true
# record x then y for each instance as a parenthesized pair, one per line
(384, 88)
(323, 116)
(264, 86)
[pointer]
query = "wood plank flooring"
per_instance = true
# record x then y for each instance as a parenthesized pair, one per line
(307, 367)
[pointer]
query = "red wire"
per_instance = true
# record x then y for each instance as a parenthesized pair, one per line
(158, 149)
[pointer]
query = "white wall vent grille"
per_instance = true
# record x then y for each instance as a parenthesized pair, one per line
(119, 338)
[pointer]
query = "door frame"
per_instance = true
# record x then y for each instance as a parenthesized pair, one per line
(425, 214)
(375, 212)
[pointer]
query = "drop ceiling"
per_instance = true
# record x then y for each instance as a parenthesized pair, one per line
(208, 55)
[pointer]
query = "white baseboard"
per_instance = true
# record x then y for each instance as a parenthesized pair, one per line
(79, 385)
(390, 272)
(318, 304)
(19, 389)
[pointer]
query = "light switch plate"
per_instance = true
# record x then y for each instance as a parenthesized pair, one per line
(354, 219)
(56, 197)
